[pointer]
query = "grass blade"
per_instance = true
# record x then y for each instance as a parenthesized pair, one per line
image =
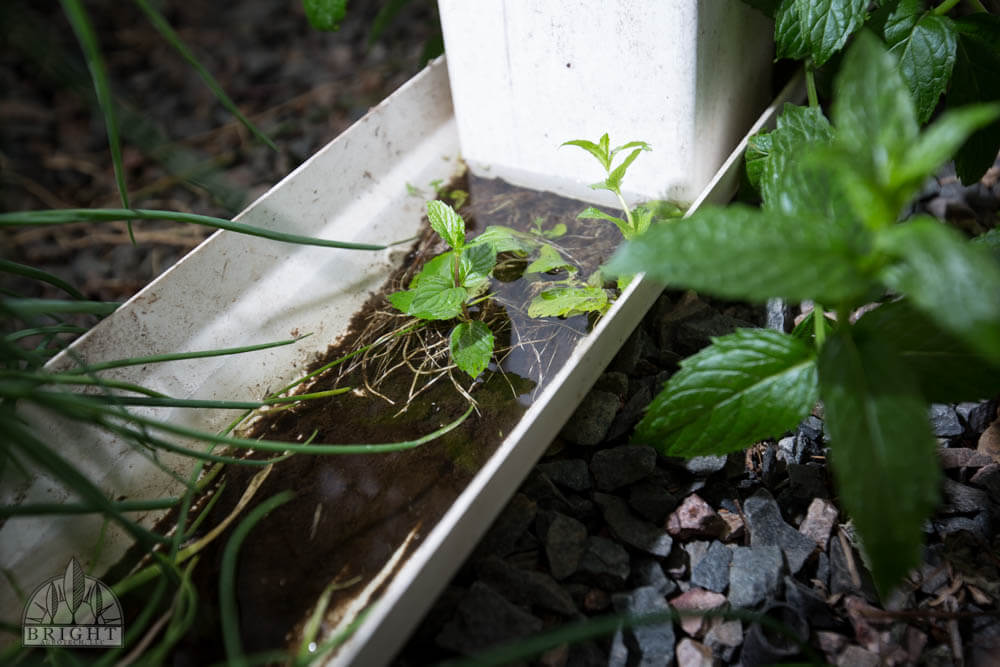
(8, 266)
(168, 33)
(80, 22)
(25, 308)
(68, 215)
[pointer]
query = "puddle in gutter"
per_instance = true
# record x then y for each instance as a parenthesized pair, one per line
(351, 513)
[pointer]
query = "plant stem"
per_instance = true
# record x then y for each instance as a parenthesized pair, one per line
(946, 6)
(811, 85)
(628, 213)
(819, 324)
(978, 6)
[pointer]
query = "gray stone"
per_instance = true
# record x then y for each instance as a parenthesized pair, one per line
(705, 465)
(812, 428)
(651, 644)
(632, 530)
(618, 652)
(807, 481)
(613, 382)
(755, 575)
(537, 589)
(565, 544)
(509, 526)
(652, 501)
(841, 577)
(963, 498)
(767, 527)
(630, 413)
(636, 348)
(694, 334)
(809, 604)
(484, 618)
(572, 474)
(855, 656)
(618, 466)
(712, 571)
(765, 647)
(977, 416)
(695, 550)
(606, 562)
(944, 421)
(988, 478)
(648, 572)
(592, 419)
(724, 637)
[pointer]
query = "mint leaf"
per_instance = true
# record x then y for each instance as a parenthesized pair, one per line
(471, 347)
(549, 259)
(947, 369)
(438, 273)
(789, 34)
(744, 387)
(797, 128)
(591, 213)
(447, 223)
(872, 108)
(742, 253)
(504, 239)
(926, 57)
(895, 19)
(755, 158)
(940, 141)
(325, 14)
(567, 301)
(430, 303)
(599, 151)
(642, 218)
(477, 262)
(826, 25)
(975, 79)
(642, 145)
(954, 281)
(618, 173)
(401, 301)
(882, 448)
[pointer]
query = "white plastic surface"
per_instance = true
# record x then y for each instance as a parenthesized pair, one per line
(232, 291)
(687, 76)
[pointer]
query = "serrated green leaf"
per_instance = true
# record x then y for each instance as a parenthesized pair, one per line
(955, 282)
(826, 25)
(948, 370)
(743, 253)
(591, 213)
(789, 35)
(642, 218)
(549, 259)
(974, 79)
(939, 142)
(755, 158)
(447, 223)
(325, 14)
(926, 57)
(883, 451)
(401, 301)
(472, 347)
(505, 239)
(437, 304)
(477, 263)
(439, 272)
(567, 301)
(797, 129)
(895, 19)
(744, 387)
(872, 108)
(641, 145)
(599, 151)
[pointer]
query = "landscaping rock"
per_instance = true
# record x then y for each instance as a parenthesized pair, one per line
(764, 647)
(724, 637)
(820, 519)
(696, 600)
(962, 457)
(767, 527)
(648, 572)
(565, 544)
(509, 527)
(606, 562)
(650, 645)
(484, 618)
(977, 416)
(712, 571)
(536, 589)
(693, 654)
(705, 465)
(945, 421)
(619, 466)
(755, 574)
(572, 474)
(652, 501)
(807, 481)
(632, 530)
(613, 382)
(695, 518)
(592, 419)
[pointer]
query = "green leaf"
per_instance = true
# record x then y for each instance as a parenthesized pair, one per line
(755, 158)
(591, 213)
(599, 151)
(947, 369)
(789, 35)
(896, 19)
(884, 454)
(872, 108)
(325, 14)
(505, 239)
(614, 181)
(766, 7)
(439, 272)
(641, 145)
(975, 79)
(826, 25)
(477, 262)
(926, 57)
(431, 303)
(952, 280)
(567, 301)
(939, 142)
(549, 259)
(402, 300)
(797, 128)
(744, 387)
(447, 223)
(472, 347)
(742, 253)
(991, 240)
(642, 218)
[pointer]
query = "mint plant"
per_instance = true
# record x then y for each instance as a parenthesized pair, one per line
(939, 54)
(829, 231)
(636, 221)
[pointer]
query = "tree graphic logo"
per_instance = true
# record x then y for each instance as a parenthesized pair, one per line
(73, 610)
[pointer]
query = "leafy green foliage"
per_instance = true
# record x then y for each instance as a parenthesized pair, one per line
(816, 28)
(745, 387)
(325, 14)
(974, 79)
(926, 58)
(568, 301)
(472, 346)
(828, 231)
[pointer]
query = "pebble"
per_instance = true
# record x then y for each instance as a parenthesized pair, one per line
(693, 654)
(632, 530)
(572, 474)
(652, 501)
(696, 600)
(650, 645)
(536, 589)
(483, 618)
(944, 421)
(592, 418)
(767, 527)
(606, 561)
(695, 518)
(712, 571)
(756, 573)
(619, 466)
(820, 519)
(565, 544)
